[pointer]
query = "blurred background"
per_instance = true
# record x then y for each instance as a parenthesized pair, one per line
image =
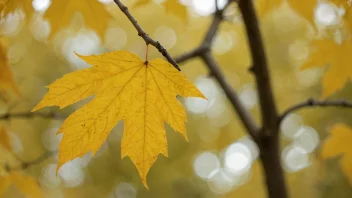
(220, 159)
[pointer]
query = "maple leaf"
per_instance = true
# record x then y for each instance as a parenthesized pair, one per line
(338, 144)
(143, 94)
(27, 185)
(60, 13)
(6, 78)
(172, 6)
(5, 139)
(337, 56)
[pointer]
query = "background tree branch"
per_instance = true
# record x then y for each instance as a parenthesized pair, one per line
(23, 165)
(268, 140)
(315, 103)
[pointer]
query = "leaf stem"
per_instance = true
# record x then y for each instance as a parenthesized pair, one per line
(146, 53)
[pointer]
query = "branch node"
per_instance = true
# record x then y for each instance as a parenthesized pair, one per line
(251, 69)
(310, 101)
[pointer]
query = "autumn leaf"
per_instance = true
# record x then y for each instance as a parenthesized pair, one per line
(27, 185)
(7, 83)
(338, 144)
(142, 94)
(60, 13)
(171, 6)
(5, 139)
(337, 57)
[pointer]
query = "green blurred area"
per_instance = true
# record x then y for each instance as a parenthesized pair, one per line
(37, 62)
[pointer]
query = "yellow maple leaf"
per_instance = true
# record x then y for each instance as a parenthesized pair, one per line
(172, 6)
(6, 78)
(143, 94)
(27, 185)
(337, 57)
(5, 139)
(61, 12)
(338, 144)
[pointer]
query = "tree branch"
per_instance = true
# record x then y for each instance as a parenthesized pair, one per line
(268, 140)
(205, 46)
(50, 115)
(260, 66)
(203, 51)
(315, 103)
(242, 112)
(145, 36)
(25, 165)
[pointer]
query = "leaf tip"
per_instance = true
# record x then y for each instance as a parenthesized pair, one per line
(144, 181)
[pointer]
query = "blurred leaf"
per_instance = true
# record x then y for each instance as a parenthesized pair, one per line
(60, 13)
(6, 78)
(264, 6)
(348, 18)
(171, 6)
(306, 9)
(27, 185)
(143, 94)
(339, 144)
(5, 139)
(337, 56)
(9, 6)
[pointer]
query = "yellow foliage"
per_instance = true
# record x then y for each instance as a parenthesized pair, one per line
(6, 78)
(306, 9)
(60, 13)
(348, 18)
(143, 94)
(339, 144)
(5, 139)
(27, 185)
(172, 6)
(337, 57)
(264, 7)
(9, 6)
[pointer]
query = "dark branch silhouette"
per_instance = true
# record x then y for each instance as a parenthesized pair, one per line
(268, 140)
(26, 115)
(315, 103)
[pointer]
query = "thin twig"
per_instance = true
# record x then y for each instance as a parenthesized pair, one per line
(242, 112)
(205, 46)
(50, 115)
(145, 36)
(315, 103)
(25, 165)
(203, 51)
